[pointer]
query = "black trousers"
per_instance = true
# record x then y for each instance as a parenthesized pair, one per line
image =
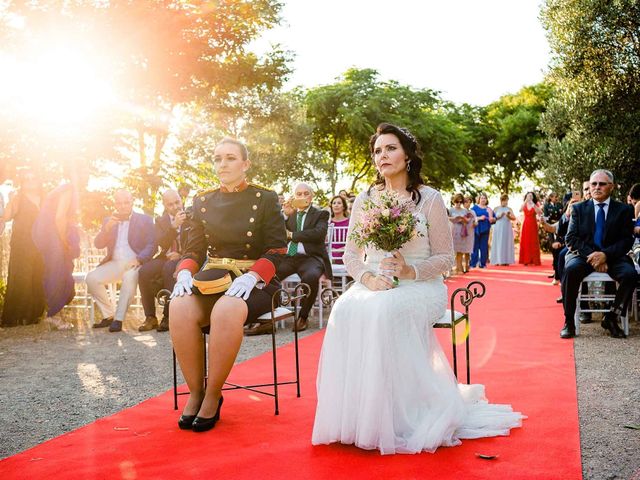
(153, 276)
(576, 268)
(310, 269)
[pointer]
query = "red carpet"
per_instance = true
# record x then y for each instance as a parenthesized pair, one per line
(516, 353)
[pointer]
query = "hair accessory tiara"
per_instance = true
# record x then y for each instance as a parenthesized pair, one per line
(408, 134)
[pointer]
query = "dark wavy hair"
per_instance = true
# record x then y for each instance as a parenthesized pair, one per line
(411, 148)
(533, 194)
(345, 206)
(634, 191)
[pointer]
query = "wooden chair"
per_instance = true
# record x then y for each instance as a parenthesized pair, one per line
(283, 306)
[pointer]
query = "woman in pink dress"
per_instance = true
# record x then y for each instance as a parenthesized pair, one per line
(340, 219)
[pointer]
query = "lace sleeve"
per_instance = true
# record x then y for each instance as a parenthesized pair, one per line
(353, 257)
(440, 240)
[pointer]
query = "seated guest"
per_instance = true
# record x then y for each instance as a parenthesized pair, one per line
(242, 224)
(129, 238)
(340, 219)
(552, 211)
(634, 197)
(306, 253)
(158, 273)
(599, 237)
(183, 191)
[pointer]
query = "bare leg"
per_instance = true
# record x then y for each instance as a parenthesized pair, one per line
(227, 319)
(185, 316)
(466, 262)
(459, 269)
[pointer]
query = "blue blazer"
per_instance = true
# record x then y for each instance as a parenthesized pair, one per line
(142, 238)
(618, 230)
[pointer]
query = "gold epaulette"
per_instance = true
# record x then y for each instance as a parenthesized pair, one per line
(204, 193)
(260, 187)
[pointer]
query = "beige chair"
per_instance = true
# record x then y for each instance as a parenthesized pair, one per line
(337, 235)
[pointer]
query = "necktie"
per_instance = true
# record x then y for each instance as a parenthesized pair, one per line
(293, 246)
(599, 235)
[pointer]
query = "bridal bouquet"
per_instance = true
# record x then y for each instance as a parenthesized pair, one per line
(386, 224)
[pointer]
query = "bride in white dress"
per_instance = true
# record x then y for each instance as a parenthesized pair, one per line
(383, 381)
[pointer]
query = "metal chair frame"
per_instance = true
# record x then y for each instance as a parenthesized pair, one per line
(604, 298)
(281, 300)
(465, 296)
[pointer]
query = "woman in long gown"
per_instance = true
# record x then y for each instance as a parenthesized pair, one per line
(24, 299)
(383, 381)
(529, 241)
(462, 226)
(57, 237)
(502, 247)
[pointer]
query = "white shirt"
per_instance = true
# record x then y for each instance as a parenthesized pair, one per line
(596, 208)
(122, 250)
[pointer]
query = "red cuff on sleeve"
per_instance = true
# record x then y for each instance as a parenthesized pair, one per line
(188, 264)
(280, 251)
(264, 268)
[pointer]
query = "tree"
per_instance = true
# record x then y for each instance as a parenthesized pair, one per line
(160, 54)
(344, 115)
(514, 136)
(593, 120)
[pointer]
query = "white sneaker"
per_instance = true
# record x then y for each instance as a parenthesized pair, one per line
(58, 323)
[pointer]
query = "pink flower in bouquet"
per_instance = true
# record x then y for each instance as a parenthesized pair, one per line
(386, 223)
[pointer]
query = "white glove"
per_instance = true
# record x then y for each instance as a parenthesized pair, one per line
(242, 286)
(184, 284)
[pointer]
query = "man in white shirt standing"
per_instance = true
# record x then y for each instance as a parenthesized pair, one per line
(130, 241)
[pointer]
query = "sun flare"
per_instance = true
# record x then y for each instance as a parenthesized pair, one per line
(57, 88)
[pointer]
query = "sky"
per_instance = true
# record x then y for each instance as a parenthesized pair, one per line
(472, 51)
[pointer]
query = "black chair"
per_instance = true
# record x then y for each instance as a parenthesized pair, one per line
(452, 317)
(283, 306)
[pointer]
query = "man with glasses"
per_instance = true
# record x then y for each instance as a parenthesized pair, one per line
(599, 237)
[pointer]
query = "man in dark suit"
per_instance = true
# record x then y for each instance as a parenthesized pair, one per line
(129, 238)
(171, 229)
(306, 252)
(599, 237)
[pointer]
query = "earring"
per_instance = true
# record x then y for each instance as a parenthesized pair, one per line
(408, 166)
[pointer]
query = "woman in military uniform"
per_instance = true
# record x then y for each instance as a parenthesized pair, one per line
(240, 224)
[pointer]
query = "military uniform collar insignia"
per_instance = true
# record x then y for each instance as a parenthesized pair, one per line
(239, 188)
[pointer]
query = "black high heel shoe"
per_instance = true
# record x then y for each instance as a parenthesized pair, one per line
(186, 421)
(201, 424)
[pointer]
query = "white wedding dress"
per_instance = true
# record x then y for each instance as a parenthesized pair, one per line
(383, 381)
